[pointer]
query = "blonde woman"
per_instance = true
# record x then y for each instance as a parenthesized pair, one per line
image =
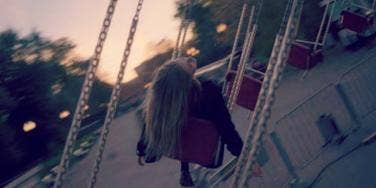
(175, 95)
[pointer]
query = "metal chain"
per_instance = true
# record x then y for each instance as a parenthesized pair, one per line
(180, 49)
(177, 44)
(262, 96)
(248, 45)
(258, 10)
(231, 99)
(286, 15)
(182, 29)
(290, 35)
(242, 62)
(246, 48)
(186, 22)
(239, 80)
(235, 45)
(115, 95)
(255, 14)
(84, 96)
(260, 102)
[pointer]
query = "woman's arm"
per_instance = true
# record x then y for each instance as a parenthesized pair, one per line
(213, 106)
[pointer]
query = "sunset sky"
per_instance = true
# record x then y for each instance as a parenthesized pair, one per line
(80, 21)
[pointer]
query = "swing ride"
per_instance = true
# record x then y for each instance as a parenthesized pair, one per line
(255, 94)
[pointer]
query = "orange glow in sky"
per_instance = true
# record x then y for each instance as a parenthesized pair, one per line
(81, 20)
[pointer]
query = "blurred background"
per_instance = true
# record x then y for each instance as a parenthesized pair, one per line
(45, 48)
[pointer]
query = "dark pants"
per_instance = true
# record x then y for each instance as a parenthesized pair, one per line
(184, 167)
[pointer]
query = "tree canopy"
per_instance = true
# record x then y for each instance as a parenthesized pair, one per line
(39, 80)
(214, 43)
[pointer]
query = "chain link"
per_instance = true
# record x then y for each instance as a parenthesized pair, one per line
(290, 35)
(115, 95)
(262, 97)
(84, 96)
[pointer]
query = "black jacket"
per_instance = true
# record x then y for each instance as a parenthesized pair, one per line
(210, 106)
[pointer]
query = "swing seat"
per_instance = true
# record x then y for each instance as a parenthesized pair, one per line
(356, 22)
(303, 57)
(200, 144)
(249, 90)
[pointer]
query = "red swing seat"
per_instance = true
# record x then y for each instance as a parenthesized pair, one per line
(356, 22)
(200, 144)
(249, 90)
(303, 57)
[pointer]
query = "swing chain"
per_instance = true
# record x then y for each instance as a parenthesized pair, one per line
(290, 35)
(186, 23)
(183, 29)
(115, 96)
(240, 75)
(248, 44)
(258, 10)
(84, 96)
(234, 46)
(261, 100)
(176, 49)
(262, 95)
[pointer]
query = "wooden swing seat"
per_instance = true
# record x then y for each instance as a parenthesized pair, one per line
(303, 57)
(249, 90)
(200, 144)
(356, 22)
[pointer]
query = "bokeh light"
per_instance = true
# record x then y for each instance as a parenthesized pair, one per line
(29, 126)
(221, 28)
(64, 114)
(193, 51)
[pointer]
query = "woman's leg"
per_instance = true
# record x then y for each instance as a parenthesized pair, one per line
(185, 176)
(184, 166)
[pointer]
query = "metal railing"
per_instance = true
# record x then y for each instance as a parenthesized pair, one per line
(296, 142)
(298, 130)
(359, 86)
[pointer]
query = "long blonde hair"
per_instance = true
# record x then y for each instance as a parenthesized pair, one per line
(166, 108)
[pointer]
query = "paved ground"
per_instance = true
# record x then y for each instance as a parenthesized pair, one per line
(120, 169)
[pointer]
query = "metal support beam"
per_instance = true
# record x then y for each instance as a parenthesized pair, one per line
(349, 106)
(283, 153)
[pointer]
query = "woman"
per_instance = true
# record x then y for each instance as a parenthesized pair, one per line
(173, 96)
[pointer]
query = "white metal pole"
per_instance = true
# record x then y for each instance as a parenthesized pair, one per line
(328, 23)
(321, 28)
(235, 45)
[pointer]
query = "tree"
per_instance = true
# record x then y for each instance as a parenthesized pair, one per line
(206, 15)
(39, 79)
